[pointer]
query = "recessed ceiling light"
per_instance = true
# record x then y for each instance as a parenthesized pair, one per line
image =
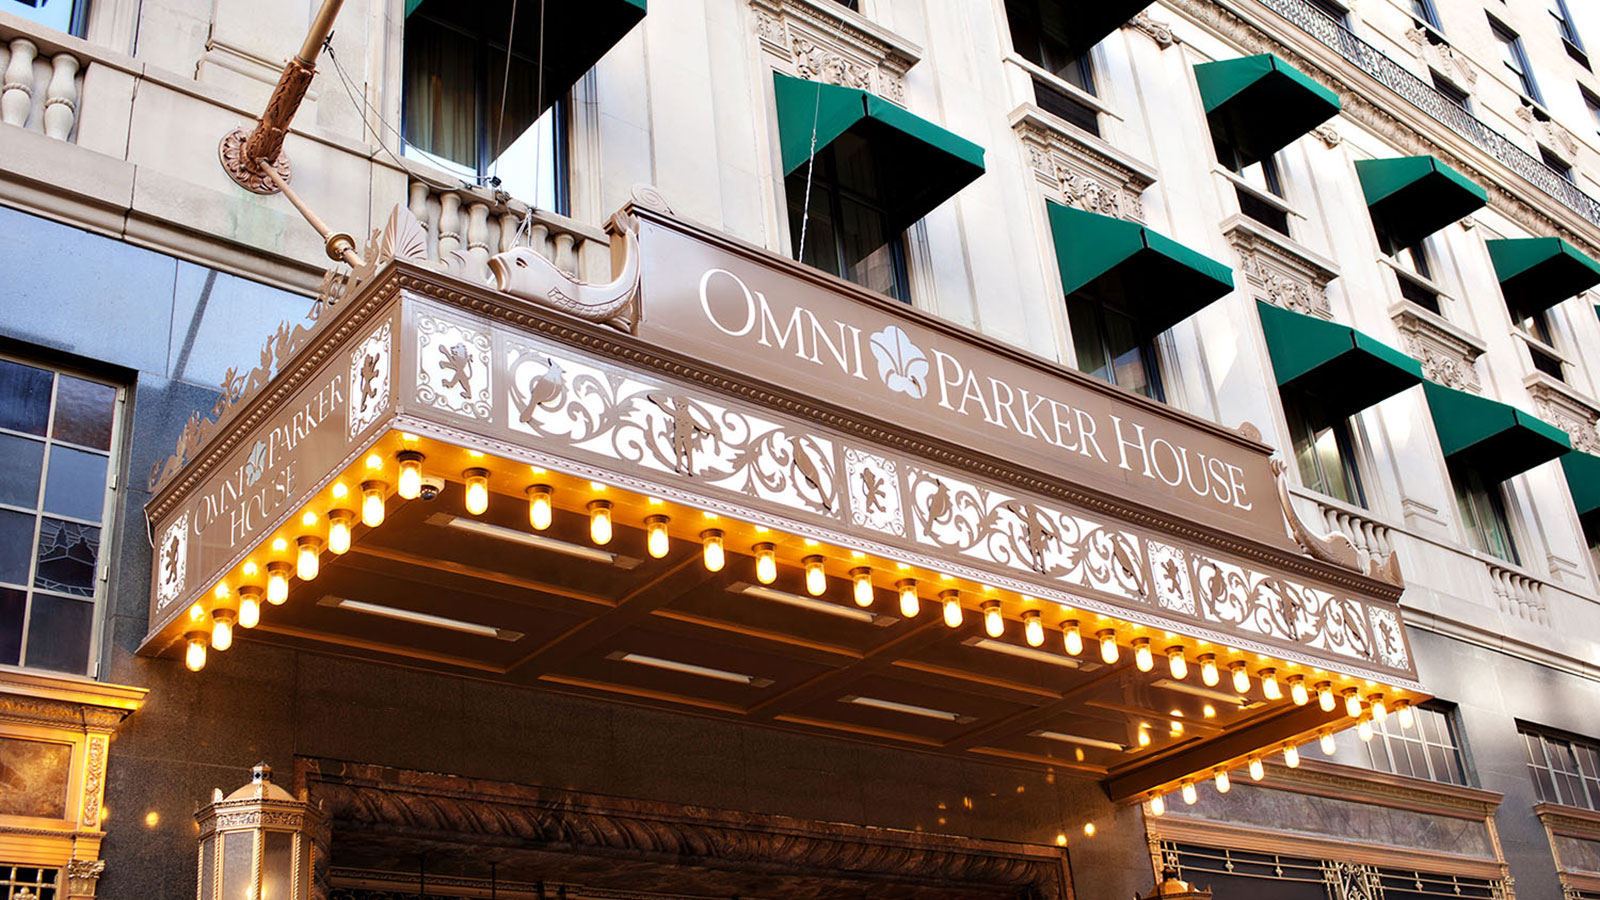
(500, 532)
(811, 603)
(1198, 691)
(419, 618)
(1044, 656)
(673, 665)
(1079, 740)
(907, 708)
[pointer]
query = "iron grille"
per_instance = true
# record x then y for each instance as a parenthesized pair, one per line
(28, 883)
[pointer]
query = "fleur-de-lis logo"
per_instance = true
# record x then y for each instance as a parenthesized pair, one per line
(256, 465)
(902, 366)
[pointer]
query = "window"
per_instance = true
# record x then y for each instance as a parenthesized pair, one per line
(1593, 102)
(1334, 11)
(1413, 260)
(1516, 59)
(1483, 513)
(1324, 449)
(1450, 92)
(1426, 14)
(455, 117)
(1426, 750)
(1565, 770)
(1568, 31)
(1038, 34)
(852, 5)
(1264, 178)
(1537, 326)
(1111, 344)
(1558, 165)
(1234, 873)
(70, 16)
(56, 457)
(847, 233)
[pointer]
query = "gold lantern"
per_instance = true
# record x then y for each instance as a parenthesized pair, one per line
(1174, 888)
(255, 843)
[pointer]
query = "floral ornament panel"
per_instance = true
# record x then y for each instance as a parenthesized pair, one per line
(172, 561)
(369, 380)
(873, 484)
(1388, 639)
(1264, 605)
(453, 362)
(1169, 570)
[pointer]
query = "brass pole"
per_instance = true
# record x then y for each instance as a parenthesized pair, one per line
(337, 244)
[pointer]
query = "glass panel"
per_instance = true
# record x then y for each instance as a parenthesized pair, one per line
(1378, 748)
(24, 397)
(83, 412)
(67, 556)
(208, 869)
(16, 546)
(868, 261)
(57, 14)
(58, 633)
(77, 484)
(440, 115)
(1083, 318)
(238, 864)
(855, 167)
(1544, 786)
(277, 864)
(1131, 366)
(13, 603)
(527, 169)
(21, 464)
(820, 248)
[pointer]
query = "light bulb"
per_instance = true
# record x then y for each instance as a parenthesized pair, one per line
(1402, 711)
(1241, 677)
(816, 578)
(306, 561)
(766, 563)
(1270, 688)
(952, 607)
(1257, 770)
(656, 541)
(194, 656)
(478, 491)
(993, 624)
(1189, 793)
(1364, 730)
(1158, 805)
(1291, 756)
(249, 606)
(1033, 628)
(600, 521)
(1220, 778)
(339, 522)
(1352, 703)
(277, 583)
(1329, 745)
(409, 485)
(862, 576)
(1072, 636)
(1108, 645)
(1176, 664)
(1297, 690)
(1143, 737)
(1379, 711)
(372, 503)
(540, 512)
(1143, 659)
(1208, 670)
(222, 628)
(1325, 696)
(711, 549)
(909, 604)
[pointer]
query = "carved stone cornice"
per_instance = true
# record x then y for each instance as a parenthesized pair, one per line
(1548, 132)
(1557, 403)
(823, 41)
(1079, 169)
(1443, 58)
(76, 703)
(1570, 820)
(1278, 270)
(1448, 354)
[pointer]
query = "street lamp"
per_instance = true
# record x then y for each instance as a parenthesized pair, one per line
(256, 843)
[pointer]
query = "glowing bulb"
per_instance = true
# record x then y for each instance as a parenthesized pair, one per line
(1143, 659)
(766, 563)
(374, 462)
(1189, 793)
(952, 607)
(993, 624)
(1269, 684)
(711, 552)
(1241, 677)
(1220, 778)
(1297, 690)
(1402, 711)
(600, 521)
(1176, 664)
(1379, 711)
(306, 561)
(340, 491)
(1257, 770)
(1033, 628)
(862, 576)
(195, 655)
(1088, 829)
(277, 583)
(1072, 636)
(1208, 670)
(656, 541)
(249, 606)
(1108, 645)
(1352, 703)
(1158, 805)
(1291, 756)
(222, 628)
(1364, 730)
(909, 604)
(478, 491)
(409, 484)
(816, 578)
(372, 503)
(1143, 737)
(1209, 711)
(1329, 745)
(339, 521)
(1325, 696)
(540, 512)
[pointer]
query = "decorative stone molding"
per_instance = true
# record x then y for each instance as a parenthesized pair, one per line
(1557, 403)
(1548, 132)
(823, 41)
(1328, 134)
(1278, 270)
(1079, 169)
(1443, 58)
(1449, 355)
(1160, 32)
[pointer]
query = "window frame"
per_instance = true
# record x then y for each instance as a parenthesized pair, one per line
(1467, 484)
(1304, 410)
(77, 20)
(1518, 65)
(1568, 30)
(1556, 164)
(1148, 346)
(1418, 736)
(1588, 778)
(1425, 12)
(1451, 91)
(1592, 101)
(1338, 12)
(836, 195)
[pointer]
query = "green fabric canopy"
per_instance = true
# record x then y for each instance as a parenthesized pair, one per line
(1087, 24)
(1583, 480)
(1411, 197)
(920, 165)
(1345, 369)
(1152, 275)
(1537, 273)
(1496, 439)
(1260, 104)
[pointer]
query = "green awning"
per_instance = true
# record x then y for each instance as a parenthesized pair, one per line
(1161, 280)
(1082, 25)
(920, 165)
(573, 38)
(1260, 104)
(1345, 369)
(1411, 197)
(1583, 480)
(1497, 439)
(1537, 273)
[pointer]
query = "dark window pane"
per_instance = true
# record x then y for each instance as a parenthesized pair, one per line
(13, 603)
(83, 412)
(77, 484)
(1379, 749)
(1081, 316)
(1543, 786)
(21, 463)
(24, 397)
(1074, 111)
(16, 546)
(67, 555)
(58, 633)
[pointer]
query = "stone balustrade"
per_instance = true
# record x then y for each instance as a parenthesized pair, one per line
(1519, 594)
(479, 222)
(1372, 539)
(39, 90)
